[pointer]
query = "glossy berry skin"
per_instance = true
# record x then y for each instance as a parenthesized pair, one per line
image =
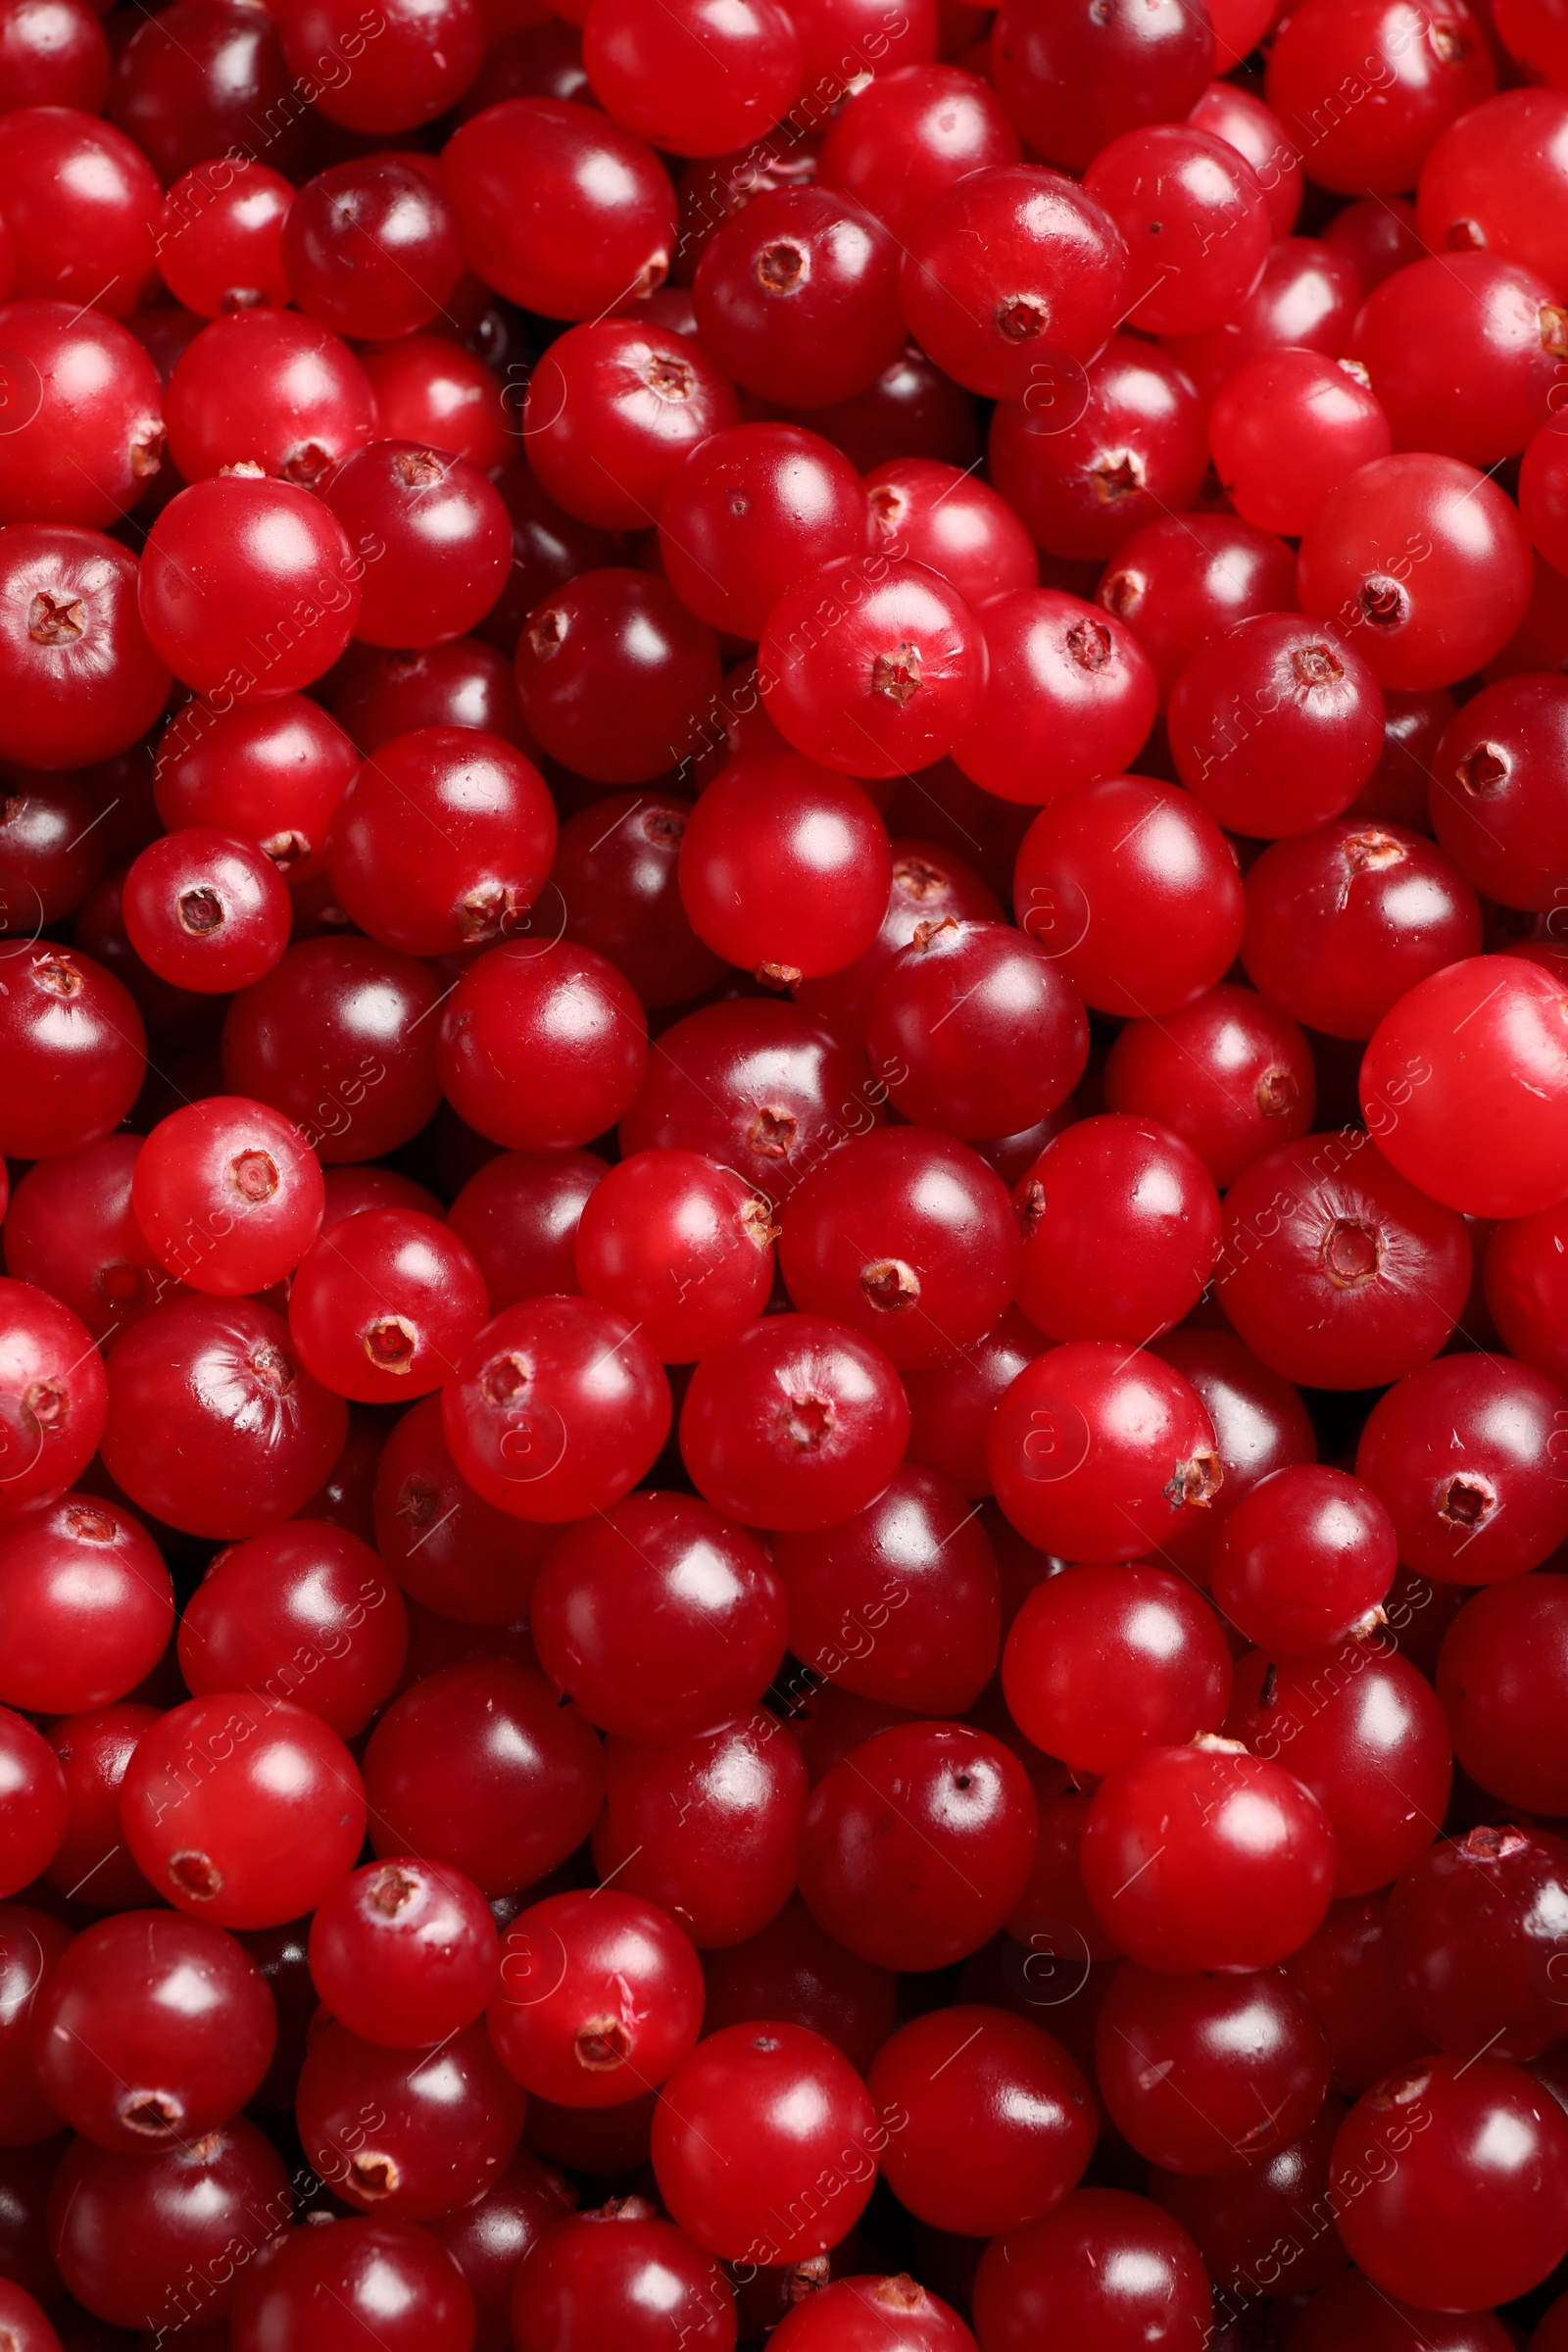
(614, 674)
(701, 81)
(785, 868)
(1012, 277)
(1127, 1178)
(1286, 428)
(1522, 1292)
(1343, 921)
(1473, 1927)
(435, 535)
(466, 683)
(480, 1766)
(1195, 219)
(1438, 70)
(664, 1579)
(999, 2119)
(69, 624)
(242, 1810)
(1104, 1662)
(797, 1423)
(557, 1407)
(910, 134)
(542, 1046)
(21, 2312)
(907, 1237)
(213, 1424)
(52, 1399)
(335, 1038)
(954, 524)
(975, 1030)
(1380, 2324)
(86, 383)
(795, 1971)
(1131, 887)
(929, 884)
(93, 1751)
(1073, 80)
(1231, 1075)
(1182, 581)
(1102, 1452)
(81, 202)
(421, 60)
(797, 297)
(900, 1603)
(871, 665)
(190, 87)
(269, 388)
(1246, 1869)
(1358, 1728)
(1501, 1682)
(383, 1307)
(372, 248)
(87, 1607)
(236, 564)
(433, 390)
(600, 1997)
(1089, 456)
(1259, 1426)
(55, 57)
(519, 1216)
(122, 2228)
(38, 1807)
(1276, 726)
(415, 2132)
(59, 1004)
(269, 772)
(951, 1405)
(1422, 564)
(1347, 1972)
(1453, 2218)
(747, 510)
(1465, 1454)
(403, 1952)
(916, 1847)
(362, 2284)
(34, 1946)
(749, 2120)
(1069, 696)
(1470, 1061)
(624, 2273)
(1204, 2075)
(1511, 324)
(1494, 793)
(451, 1550)
(1103, 2265)
(305, 1612)
(664, 1227)
(613, 409)
(221, 239)
(708, 1829)
(1302, 1557)
(863, 2314)
(230, 1195)
(206, 912)
(153, 2031)
(1336, 1270)
(70, 1231)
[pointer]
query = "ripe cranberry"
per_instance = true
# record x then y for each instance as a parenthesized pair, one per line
(1351, 2310)
(747, 510)
(1499, 1677)
(74, 1053)
(489, 2240)
(872, 667)
(785, 867)
(1306, 299)
(90, 1862)
(1195, 219)
(337, 1038)
(435, 536)
(1104, 1662)
(449, 1549)
(616, 871)
(52, 1400)
(1465, 202)
(1433, 72)
(797, 297)
(87, 681)
(976, 1031)
(305, 1612)
(1288, 428)
(86, 433)
(1275, 729)
(81, 203)
(622, 2274)
(1522, 1286)
(839, 37)
(87, 1607)
(797, 1423)
(230, 581)
(194, 82)
(269, 772)
(36, 1804)
(951, 1405)
(1473, 1928)
(1182, 582)
(206, 912)
(404, 1951)
(1069, 697)
(383, 693)
(1089, 454)
(1242, 119)
(1150, 1191)
(766, 2144)
(55, 54)
(381, 1310)
(1232, 1075)
(1474, 2130)
(792, 1970)
(613, 411)
(597, 1991)
(1275, 2213)
(1379, 235)
(680, 1247)
(1302, 1557)
(1462, 1084)
(356, 2285)
(1204, 2075)
(518, 1215)
(270, 388)
(1103, 2264)
(1494, 790)
(614, 674)
(408, 70)
(737, 72)
(220, 241)
(228, 1194)
(1072, 80)
(908, 135)
(705, 1827)
(542, 1047)
(571, 214)
(433, 390)
(50, 848)
(1515, 334)
(481, 1768)
(372, 249)
(416, 2131)
(1465, 1454)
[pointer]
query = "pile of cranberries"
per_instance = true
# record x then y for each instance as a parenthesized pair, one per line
(784, 1092)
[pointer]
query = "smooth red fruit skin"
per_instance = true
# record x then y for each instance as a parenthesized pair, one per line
(916, 1847)
(228, 1194)
(797, 297)
(221, 235)
(555, 1408)
(751, 2122)
(242, 1810)
(795, 1970)
(1101, 1452)
(1524, 1291)
(542, 1048)
(20, 2315)
(1268, 2223)
(1276, 726)
(1351, 2310)
(1125, 1176)
(1511, 328)
(1206, 1857)
(1467, 1454)
(1496, 796)
(1452, 2183)
(1502, 1683)
(403, 1951)
(175, 889)
(750, 508)
(1289, 426)
(1000, 2124)
(34, 1944)
(358, 2285)
(418, 62)
(1438, 74)
(337, 1037)
(1104, 1662)
(1232, 1075)
(1195, 218)
(87, 1607)
(269, 388)
(600, 1997)
(1472, 1933)
(797, 1424)
(86, 434)
(1104, 2270)
(708, 1830)
(899, 1603)
(93, 1751)
(381, 1312)
(247, 587)
(74, 1052)
(1297, 1568)
(1422, 563)
(693, 81)
(785, 868)
(871, 2314)
(371, 248)
(617, 870)
(1072, 80)
(1206, 2075)
(1462, 1084)
(680, 1247)
(81, 203)
(951, 1405)
(36, 1804)
(658, 1618)
(416, 2131)
(269, 772)
(613, 411)
(1347, 1972)
(488, 2241)
(1068, 697)
(568, 214)
(481, 1766)
(1182, 580)
(449, 1549)
(155, 2030)
(975, 1030)
(519, 1216)
(624, 2274)
(149, 2241)
(53, 1398)
(305, 1612)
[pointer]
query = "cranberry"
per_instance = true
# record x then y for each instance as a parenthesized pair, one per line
(87, 1607)
(705, 1827)
(1182, 582)
(271, 551)
(1069, 697)
(37, 1805)
(270, 388)
(797, 1423)
(1204, 2075)
(81, 203)
(908, 135)
(797, 297)
(785, 866)
(220, 242)
(270, 772)
(372, 249)
(748, 509)
(356, 2285)
(1089, 453)
(449, 1549)
(193, 82)
(431, 390)
(1104, 1662)
(696, 81)
(434, 536)
(304, 1612)
(614, 673)
(1163, 1209)
(88, 681)
(622, 2274)
(1103, 2264)
(337, 1037)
